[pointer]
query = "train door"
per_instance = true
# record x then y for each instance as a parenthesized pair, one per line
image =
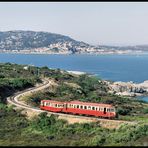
(104, 110)
(65, 106)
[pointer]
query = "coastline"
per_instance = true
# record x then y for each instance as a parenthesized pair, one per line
(128, 89)
(76, 72)
(81, 53)
(118, 84)
(120, 88)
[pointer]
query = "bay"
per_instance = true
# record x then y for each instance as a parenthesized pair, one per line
(110, 67)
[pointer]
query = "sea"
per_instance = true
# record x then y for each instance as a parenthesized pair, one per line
(132, 67)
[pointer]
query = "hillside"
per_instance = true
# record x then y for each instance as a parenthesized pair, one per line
(31, 40)
(17, 130)
(20, 41)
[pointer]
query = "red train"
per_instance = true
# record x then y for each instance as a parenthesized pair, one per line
(78, 107)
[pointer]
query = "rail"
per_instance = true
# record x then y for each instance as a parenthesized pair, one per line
(14, 100)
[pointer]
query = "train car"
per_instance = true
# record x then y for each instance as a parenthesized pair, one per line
(93, 109)
(50, 105)
(80, 108)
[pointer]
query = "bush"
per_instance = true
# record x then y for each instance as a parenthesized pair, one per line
(123, 111)
(145, 110)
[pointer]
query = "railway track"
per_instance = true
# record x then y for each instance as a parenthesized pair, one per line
(15, 101)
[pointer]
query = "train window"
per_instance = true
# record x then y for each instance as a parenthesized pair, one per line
(74, 106)
(56, 105)
(96, 108)
(112, 110)
(89, 107)
(77, 106)
(85, 107)
(61, 105)
(104, 110)
(93, 108)
(81, 107)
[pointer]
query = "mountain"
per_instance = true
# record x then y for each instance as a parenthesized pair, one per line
(29, 40)
(50, 43)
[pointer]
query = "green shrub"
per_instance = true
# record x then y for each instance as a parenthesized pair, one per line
(145, 110)
(123, 111)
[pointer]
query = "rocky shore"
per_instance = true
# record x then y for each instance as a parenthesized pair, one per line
(123, 88)
(77, 72)
(128, 88)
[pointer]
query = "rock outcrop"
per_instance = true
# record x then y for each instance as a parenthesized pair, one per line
(128, 88)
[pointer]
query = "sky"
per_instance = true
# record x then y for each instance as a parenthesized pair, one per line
(105, 23)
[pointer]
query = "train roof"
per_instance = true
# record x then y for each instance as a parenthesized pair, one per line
(53, 101)
(81, 103)
(90, 103)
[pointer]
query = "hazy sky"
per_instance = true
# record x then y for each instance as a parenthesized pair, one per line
(113, 23)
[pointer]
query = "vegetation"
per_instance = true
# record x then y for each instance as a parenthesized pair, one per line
(88, 89)
(14, 77)
(43, 130)
(16, 130)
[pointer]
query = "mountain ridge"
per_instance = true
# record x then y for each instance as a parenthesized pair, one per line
(27, 41)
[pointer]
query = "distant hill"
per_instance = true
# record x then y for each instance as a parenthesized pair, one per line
(133, 48)
(45, 42)
(20, 40)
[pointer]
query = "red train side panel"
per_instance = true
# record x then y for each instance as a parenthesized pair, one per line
(50, 105)
(77, 107)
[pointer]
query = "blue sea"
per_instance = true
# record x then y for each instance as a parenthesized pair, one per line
(109, 67)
